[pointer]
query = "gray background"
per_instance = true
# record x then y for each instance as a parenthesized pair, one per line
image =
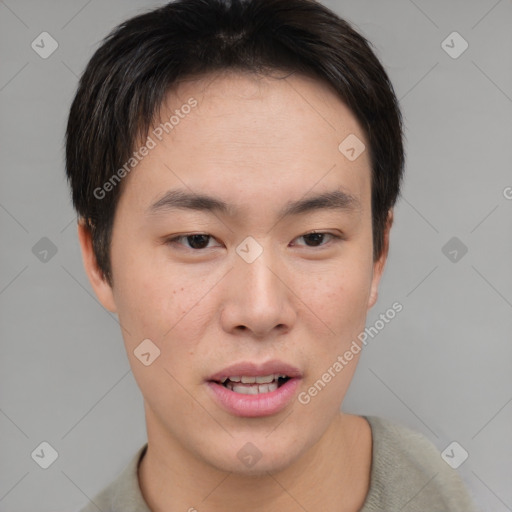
(442, 366)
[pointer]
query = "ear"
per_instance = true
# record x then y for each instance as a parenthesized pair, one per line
(99, 283)
(378, 266)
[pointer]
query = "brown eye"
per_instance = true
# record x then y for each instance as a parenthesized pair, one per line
(193, 241)
(198, 241)
(316, 239)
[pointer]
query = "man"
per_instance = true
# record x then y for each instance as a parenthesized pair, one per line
(234, 166)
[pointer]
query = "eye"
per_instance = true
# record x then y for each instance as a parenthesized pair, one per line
(199, 241)
(196, 241)
(315, 238)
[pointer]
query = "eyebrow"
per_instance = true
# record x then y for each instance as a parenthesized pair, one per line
(181, 199)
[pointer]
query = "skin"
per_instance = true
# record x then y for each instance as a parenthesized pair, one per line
(255, 143)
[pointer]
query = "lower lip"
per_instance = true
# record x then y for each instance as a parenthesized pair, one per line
(262, 404)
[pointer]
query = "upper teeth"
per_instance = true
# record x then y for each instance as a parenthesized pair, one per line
(263, 379)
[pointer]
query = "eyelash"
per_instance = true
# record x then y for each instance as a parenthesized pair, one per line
(174, 240)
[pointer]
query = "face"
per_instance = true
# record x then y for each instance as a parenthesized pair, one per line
(271, 271)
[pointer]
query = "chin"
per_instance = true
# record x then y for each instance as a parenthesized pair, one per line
(256, 458)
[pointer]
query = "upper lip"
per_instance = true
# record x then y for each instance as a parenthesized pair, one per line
(250, 369)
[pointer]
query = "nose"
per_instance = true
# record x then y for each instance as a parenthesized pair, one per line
(259, 300)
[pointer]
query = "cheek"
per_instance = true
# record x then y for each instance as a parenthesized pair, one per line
(160, 302)
(141, 297)
(143, 288)
(158, 305)
(339, 298)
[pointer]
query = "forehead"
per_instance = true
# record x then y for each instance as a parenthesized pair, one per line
(253, 137)
(245, 105)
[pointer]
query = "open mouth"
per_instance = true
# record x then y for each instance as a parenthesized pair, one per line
(248, 385)
(250, 390)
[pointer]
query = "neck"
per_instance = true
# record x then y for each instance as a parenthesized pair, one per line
(332, 475)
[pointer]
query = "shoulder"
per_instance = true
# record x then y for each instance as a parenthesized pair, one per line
(409, 474)
(123, 494)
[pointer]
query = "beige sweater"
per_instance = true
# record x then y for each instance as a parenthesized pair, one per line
(407, 475)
